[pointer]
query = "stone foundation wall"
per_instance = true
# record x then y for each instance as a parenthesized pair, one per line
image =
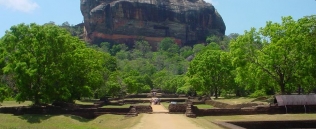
(143, 108)
(218, 104)
(86, 112)
(225, 105)
(197, 102)
(257, 110)
(276, 124)
(134, 101)
(219, 112)
(169, 96)
(177, 108)
(139, 96)
(128, 101)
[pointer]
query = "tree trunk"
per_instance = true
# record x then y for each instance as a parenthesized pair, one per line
(216, 90)
(299, 89)
(282, 86)
(36, 99)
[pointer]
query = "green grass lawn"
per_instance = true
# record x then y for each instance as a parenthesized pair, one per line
(15, 104)
(240, 100)
(117, 106)
(165, 104)
(204, 106)
(8, 121)
(83, 102)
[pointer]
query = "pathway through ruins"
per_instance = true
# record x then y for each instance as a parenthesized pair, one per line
(160, 119)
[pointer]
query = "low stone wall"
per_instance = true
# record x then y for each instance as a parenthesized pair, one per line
(220, 112)
(134, 101)
(143, 108)
(33, 110)
(75, 106)
(86, 112)
(275, 124)
(173, 99)
(218, 104)
(108, 110)
(228, 106)
(177, 108)
(256, 110)
(143, 95)
(117, 102)
(169, 96)
(197, 102)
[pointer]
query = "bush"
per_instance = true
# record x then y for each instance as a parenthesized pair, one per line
(258, 93)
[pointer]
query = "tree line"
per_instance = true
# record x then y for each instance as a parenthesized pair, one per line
(46, 63)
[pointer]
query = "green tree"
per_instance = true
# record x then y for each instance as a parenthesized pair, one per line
(209, 71)
(168, 45)
(174, 83)
(274, 56)
(142, 49)
(137, 83)
(4, 91)
(186, 51)
(45, 61)
(117, 48)
(197, 48)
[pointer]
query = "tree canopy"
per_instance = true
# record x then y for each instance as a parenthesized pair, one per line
(278, 56)
(46, 63)
(49, 64)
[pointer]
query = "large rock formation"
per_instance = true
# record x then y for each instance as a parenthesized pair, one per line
(123, 21)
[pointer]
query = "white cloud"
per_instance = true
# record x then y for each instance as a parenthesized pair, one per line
(26, 6)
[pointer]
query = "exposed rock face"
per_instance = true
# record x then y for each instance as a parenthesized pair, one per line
(123, 21)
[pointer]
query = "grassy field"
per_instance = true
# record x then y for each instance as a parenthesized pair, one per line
(84, 102)
(15, 104)
(165, 104)
(117, 106)
(108, 121)
(204, 106)
(241, 100)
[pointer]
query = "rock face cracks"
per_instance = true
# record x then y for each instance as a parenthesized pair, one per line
(124, 21)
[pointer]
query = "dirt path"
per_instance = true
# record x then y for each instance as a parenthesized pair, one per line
(159, 108)
(164, 121)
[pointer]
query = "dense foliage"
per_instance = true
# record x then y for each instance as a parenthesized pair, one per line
(279, 57)
(48, 64)
(45, 63)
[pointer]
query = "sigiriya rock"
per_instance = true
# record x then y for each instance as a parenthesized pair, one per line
(124, 21)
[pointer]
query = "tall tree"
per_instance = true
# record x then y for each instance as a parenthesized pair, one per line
(213, 68)
(45, 62)
(274, 56)
(168, 45)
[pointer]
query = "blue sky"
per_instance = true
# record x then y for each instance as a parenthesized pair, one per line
(238, 15)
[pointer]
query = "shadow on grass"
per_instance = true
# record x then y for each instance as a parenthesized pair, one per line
(32, 118)
(78, 118)
(228, 97)
(35, 118)
(267, 99)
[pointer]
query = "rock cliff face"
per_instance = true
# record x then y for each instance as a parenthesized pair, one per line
(123, 21)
